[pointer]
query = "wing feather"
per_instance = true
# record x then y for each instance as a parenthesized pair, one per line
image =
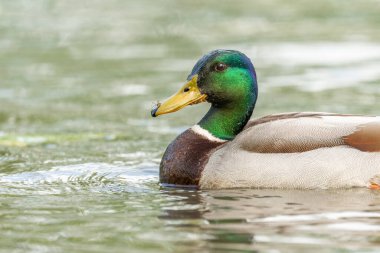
(300, 132)
(365, 138)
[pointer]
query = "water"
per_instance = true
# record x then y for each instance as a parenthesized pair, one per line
(79, 153)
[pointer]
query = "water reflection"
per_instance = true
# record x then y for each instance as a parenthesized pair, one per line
(184, 204)
(188, 210)
(259, 219)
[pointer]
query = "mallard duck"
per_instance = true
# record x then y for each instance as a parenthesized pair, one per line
(290, 150)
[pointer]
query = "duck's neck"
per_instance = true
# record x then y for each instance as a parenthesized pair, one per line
(225, 122)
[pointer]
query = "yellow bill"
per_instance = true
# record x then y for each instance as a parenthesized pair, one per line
(189, 94)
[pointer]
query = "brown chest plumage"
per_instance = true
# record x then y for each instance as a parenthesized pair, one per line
(185, 159)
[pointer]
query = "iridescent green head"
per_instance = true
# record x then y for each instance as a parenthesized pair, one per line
(226, 77)
(227, 80)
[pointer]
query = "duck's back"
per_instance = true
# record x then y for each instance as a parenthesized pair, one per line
(298, 150)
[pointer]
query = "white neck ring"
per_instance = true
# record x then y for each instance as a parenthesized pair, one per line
(203, 132)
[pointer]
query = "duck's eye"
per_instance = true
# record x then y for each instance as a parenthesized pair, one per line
(186, 89)
(220, 67)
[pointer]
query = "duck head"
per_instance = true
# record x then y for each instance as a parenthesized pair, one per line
(227, 80)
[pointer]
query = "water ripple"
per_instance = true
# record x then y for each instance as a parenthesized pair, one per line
(85, 174)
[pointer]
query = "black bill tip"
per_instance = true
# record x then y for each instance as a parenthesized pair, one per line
(154, 110)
